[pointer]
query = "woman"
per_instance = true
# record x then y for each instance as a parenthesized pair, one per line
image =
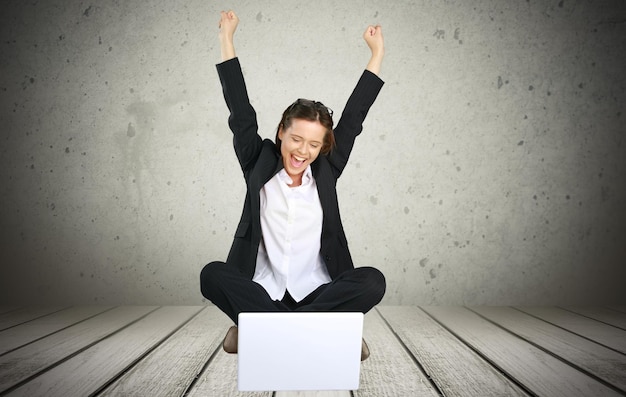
(290, 252)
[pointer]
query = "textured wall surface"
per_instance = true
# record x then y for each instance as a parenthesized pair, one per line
(491, 169)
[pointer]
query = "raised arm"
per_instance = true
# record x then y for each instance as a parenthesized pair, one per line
(228, 25)
(374, 38)
(242, 120)
(362, 98)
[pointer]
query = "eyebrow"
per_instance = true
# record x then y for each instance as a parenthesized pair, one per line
(301, 137)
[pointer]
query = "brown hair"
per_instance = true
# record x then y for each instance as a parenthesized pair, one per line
(306, 109)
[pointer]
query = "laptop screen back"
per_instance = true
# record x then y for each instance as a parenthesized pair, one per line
(299, 351)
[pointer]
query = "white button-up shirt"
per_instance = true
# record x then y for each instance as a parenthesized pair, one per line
(291, 224)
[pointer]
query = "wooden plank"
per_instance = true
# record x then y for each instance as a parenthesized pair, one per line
(538, 371)
(19, 335)
(6, 309)
(16, 317)
(31, 359)
(453, 367)
(597, 331)
(93, 368)
(220, 378)
(313, 393)
(621, 309)
(608, 316)
(604, 363)
(171, 367)
(388, 362)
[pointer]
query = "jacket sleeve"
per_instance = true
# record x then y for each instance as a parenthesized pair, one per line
(350, 124)
(242, 120)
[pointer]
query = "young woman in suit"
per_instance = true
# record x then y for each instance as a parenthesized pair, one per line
(290, 252)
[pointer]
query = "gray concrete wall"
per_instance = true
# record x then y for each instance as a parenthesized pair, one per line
(491, 170)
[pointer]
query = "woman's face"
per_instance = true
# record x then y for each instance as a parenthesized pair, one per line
(300, 145)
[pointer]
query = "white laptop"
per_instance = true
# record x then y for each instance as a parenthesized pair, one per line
(299, 351)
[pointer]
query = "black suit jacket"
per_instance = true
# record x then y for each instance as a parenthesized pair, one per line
(260, 160)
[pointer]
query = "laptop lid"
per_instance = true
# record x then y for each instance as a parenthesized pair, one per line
(299, 351)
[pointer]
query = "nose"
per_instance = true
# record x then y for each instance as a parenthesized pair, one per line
(302, 148)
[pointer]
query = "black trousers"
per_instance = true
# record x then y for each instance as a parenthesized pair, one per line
(357, 290)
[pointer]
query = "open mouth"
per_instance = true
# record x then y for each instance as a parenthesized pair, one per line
(297, 162)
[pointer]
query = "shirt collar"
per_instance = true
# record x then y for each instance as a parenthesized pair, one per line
(307, 177)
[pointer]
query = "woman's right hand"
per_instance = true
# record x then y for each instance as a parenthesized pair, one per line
(228, 25)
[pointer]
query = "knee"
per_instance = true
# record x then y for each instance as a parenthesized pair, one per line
(208, 277)
(380, 283)
(208, 271)
(375, 281)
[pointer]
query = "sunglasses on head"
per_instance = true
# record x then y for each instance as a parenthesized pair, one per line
(314, 104)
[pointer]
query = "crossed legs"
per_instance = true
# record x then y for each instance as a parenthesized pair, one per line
(357, 290)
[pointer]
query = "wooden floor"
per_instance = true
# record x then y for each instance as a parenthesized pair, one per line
(415, 351)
